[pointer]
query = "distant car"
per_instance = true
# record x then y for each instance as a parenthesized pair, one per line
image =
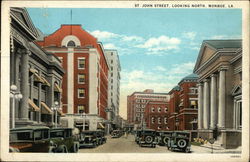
(88, 139)
(164, 137)
(64, 140)
(30, 139)
(148, 137)
(116, 133)
(179, 141)
(101, 137)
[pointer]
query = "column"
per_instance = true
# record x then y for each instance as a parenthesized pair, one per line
(200, 106)
(206, 111)
(17, 63)
(24, 84)
(214, 112)
(222, 98)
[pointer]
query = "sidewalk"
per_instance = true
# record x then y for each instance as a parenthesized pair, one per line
(217, 150)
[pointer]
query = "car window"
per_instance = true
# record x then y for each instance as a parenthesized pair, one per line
(38, 135)
(45, 134)
(56, 134)
(15, 136)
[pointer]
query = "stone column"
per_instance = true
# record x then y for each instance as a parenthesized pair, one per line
(16, 77)
(214, 111)
(222, 97)
(200, 106)
(24, 111)
(206, 111)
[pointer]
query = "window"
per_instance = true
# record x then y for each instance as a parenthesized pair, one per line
(159, 109)
(81, 92)
(111, 61)
(142, 110)
(81, 78)
(81, 109)
(165, 120)
(111, 80)
(159, 120)
(152, 109)
(81, 63)
(152, 120)
(111, 68)
(111, 74)
(142, 106)
(111, 53)
(159, 127)
(71, 44)
(166, 109)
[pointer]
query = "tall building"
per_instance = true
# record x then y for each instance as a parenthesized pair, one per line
(114, 85)
(35, 76)
(85, 83)
(184, 104)
(219, 67)
(136, 104)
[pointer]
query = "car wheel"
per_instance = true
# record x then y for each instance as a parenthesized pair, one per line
(181, 143)
(165, 140)
(148, 139)
(75, 147)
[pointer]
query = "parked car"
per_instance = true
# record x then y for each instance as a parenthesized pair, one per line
(88, 139)
(101, 137)
(63, 139)
(164, 137)
(179, 141)
(148, 137)
(116, 133)
(31, 139)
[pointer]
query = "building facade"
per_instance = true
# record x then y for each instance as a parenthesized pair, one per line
(114, 85)
(85, 82)
(156, 115)
(136, 104)
(219, 66)
(35, 76)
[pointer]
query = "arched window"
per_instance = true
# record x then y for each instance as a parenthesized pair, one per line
(71, 44)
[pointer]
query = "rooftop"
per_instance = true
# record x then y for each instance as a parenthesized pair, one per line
(220, 44)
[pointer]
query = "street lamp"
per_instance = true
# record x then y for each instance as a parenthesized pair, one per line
(14, 94)
(55, 108)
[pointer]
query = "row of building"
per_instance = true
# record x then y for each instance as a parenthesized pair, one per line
(66, 78)
(207, 103)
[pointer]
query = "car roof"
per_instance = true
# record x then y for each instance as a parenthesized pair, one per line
(60, 128)
(29, 128)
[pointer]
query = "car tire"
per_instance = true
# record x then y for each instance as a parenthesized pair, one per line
(181, 143)
(148, 139)
(165, 140)
(75, 147)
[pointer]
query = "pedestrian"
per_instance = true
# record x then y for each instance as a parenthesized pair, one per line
(126, 134)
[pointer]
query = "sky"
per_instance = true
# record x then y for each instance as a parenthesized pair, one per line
(157, 47)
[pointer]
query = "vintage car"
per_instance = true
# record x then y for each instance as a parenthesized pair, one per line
(148, 137)
(116, 133)
(101, 137)
(31, 139)
(179, 141)
(164, 137)
(63, 139)
(88, 139)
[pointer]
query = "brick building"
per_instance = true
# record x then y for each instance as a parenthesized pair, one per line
(156, 115)
(85, 83)
(183, 104)
(219, 67)
(136, 104)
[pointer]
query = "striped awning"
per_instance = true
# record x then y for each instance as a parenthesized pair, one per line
(57, 88)
(46, 109)
(33, 106)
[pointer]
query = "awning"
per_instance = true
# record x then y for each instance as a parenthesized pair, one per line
(100, 125)
(45, 82)
(60, 112)
(46, 109)
(57, 88)
(33, 105)
(193, 103)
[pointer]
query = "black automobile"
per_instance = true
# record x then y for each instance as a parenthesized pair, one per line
(116, 133)
(88, 139)
(164, 137)
(179, 141)
(63, 139)
(30, 139)
(148, 137)
(101, 137)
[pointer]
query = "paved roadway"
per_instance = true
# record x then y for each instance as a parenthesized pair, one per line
(123, 145)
